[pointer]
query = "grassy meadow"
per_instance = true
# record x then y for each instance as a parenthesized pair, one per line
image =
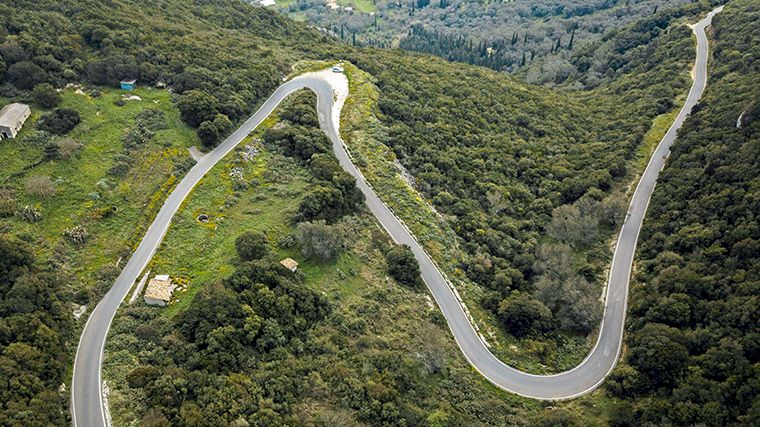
(114, 210)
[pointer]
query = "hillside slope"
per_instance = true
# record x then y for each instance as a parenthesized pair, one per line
(501, 161)
(694, 328)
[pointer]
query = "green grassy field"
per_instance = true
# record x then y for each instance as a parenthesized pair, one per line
(84, 190)
(364, 6)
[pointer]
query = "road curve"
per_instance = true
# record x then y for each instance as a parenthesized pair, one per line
(86, 394)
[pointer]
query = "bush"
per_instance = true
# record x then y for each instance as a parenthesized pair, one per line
(77, 234)
(211, 132)
(46, 96)
(142, 376)
(67, 147)
(319, 240)
(25, 75)
(29, 214)
(119, 168)
(251, 245)
(208, 134)
(321, 203)
(403, 266)
(51, 151)
(59, 122)
(523, 315)
(7, 202)
(196, 107)
(136, 136)
(152, 119)
(40, 186)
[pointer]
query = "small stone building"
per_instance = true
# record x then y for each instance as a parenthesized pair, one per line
(12, 118)
(290, 264)
(159, 291)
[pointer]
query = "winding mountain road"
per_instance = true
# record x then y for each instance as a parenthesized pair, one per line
(86, 390)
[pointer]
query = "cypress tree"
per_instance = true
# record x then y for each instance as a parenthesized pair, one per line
(572, 38)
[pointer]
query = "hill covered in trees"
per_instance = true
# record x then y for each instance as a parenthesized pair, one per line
(539, 38)
(694, 327)
(530, 182)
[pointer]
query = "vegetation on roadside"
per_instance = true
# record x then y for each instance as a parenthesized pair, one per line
(513, 189)
(693, 327)
(362, 359)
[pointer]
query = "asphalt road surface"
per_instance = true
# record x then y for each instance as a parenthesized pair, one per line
(86, 393)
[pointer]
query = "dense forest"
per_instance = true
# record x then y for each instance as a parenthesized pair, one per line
(502, 161)
(536, 36)
(34, 325)
(522, 191)
(694, 318)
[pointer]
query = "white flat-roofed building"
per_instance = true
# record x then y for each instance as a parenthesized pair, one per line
(12, 118)
(159, 291)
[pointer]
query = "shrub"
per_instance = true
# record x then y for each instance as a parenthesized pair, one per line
(152, 119)
(40, 186)
(46, 96)
(183, 165)
(67, 147)
(77, 234)
(29, 214)
(142, 376)
(59, 122)
(196, 107)
(51, 151)
(251, 245)
(319, 240)
(119, 168)
(403, 266)
(7, 202)
(38, 138)
(208, 134)
(136, 136)
(25, 75)
(212, 131)
(522, 315)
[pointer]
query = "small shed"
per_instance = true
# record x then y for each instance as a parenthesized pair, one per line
(128, 84)
(159, 291)
(290, 264)
(12, 118)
